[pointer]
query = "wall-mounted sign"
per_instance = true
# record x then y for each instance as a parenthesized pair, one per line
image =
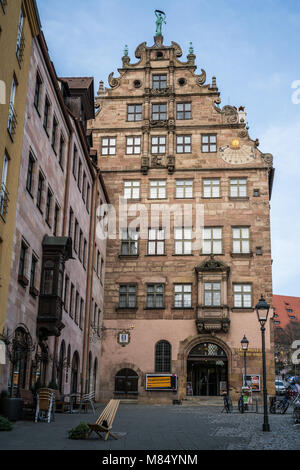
(252, 381)
(123, 338)
(161, 382)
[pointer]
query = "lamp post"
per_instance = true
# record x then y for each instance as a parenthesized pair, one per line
(262, 310)
(245, 344)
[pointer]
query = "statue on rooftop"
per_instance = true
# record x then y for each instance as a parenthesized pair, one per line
(160, 20)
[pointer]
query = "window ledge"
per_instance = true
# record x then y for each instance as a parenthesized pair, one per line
(31, 195)
(37, 110)
(128, 256)
(182, 308)
(151, 256)
(23, 281)
(231, 198)
(214, 254)
(184, 255)
(242, 309)
(242, 255)
(126, 309)
(33, 292)
(155, 308)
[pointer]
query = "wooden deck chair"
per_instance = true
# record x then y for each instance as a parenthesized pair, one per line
(105, 421)
(44, 407)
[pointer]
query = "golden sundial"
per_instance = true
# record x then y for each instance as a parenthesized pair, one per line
(237, 154)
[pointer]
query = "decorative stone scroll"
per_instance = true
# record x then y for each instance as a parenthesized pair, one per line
(201, 79)
(267, 158)
(113, 82)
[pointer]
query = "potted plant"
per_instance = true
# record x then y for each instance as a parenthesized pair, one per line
(80, 432)
(5, 424)
(10, 408)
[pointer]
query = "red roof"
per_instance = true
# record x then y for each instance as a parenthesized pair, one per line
(286, 307)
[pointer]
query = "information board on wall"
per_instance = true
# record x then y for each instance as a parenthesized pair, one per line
(253, 381)
(161, 382)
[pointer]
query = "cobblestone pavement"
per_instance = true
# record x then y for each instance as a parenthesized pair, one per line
(161, 427)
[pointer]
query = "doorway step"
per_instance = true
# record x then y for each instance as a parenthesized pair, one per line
(203, 401)
(129, 401)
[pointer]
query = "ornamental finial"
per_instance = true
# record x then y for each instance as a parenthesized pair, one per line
(191, 49)
(126, 51)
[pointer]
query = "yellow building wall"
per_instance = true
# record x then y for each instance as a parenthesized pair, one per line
(10, 67)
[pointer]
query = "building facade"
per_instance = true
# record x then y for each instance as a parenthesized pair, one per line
(175, 310)
(53, 325)
(19, 24)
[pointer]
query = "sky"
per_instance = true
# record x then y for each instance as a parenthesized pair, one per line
(251, 47)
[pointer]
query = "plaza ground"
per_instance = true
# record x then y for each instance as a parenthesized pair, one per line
(161, 427)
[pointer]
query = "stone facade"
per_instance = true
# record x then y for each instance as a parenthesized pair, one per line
(130, 109)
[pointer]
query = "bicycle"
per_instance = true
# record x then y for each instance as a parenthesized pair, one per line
(282, 406)
(227, 403)
(242, 405)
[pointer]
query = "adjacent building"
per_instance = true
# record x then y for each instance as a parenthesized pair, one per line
(55, 302)
(175, 312)
(19, 24)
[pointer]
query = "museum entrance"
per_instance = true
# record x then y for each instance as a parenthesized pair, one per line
(207, 371)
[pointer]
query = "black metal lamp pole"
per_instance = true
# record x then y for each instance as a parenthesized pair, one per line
(245, 344)
(262, 310)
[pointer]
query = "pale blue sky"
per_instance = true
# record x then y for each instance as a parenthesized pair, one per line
(252, 47)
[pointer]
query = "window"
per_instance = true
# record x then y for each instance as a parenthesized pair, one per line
(183, 295)
(131, 189)
(84, 253)
(83, 186)
(80, 245)
(212, 294)
(48, 205)
(74, 161)
(79, 175)
(158, 145)
(183, 144)
(209, 143)
(20, 38)
(162, 357)
(23, 258)
(30, 170)
(156, 241)
(34, 262)
(290, 310)
(88, 197)
(67, 281)
(159, 112)
(54, 131)
(292, 317)
(134, 112)
(3, 4)
(242, 295)
(183, 241)
(76, 308)
(211, 188)
(159, 82)
(127, 296)
(46, 114)
(71, 218)
(238, 187)
(158, 189)
(71, 301)
(241, 240)
(133, 145)
(37, 91)
(155, 295)
(184, 189)
(108, 146)
(184, 111)
(3, 191)
(129, 245)
(61, 151)
(76, 235)
(81, 313)
(212, 241)
(40, 191)
(12, 118)
(48, 278)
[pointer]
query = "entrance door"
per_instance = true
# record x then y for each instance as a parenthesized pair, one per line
(207, 370)
(126, 383)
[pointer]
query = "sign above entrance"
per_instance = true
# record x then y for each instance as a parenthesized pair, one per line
(161, 382)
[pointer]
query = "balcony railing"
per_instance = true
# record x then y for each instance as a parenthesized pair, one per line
(20, 49)
(4, 200)
(12, 120)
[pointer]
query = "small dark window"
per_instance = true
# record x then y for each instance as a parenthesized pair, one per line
(40, 191)
(137, 83)
(159, 55)
(22, 262)
(46, 114)
(37, 92)
(258, 251)
(256, 193)
(29, 182)
(182, 81)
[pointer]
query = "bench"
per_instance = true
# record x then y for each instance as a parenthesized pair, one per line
(105, 421)
(86, 401)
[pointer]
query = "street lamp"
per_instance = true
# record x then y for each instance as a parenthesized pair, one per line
(262, 310)
(245, 344)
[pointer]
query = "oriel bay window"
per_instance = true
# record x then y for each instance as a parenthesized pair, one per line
(129, 246)
(212, 294)
(155, 296)
(242, 294)
(183, 295)
(127, 296)
(241, 240)
(48, 278)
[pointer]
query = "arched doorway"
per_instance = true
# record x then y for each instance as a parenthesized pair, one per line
(21, 350)
(61, 366)
(74, 373)
(95, 374)
(126, 383)
(207, 369)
